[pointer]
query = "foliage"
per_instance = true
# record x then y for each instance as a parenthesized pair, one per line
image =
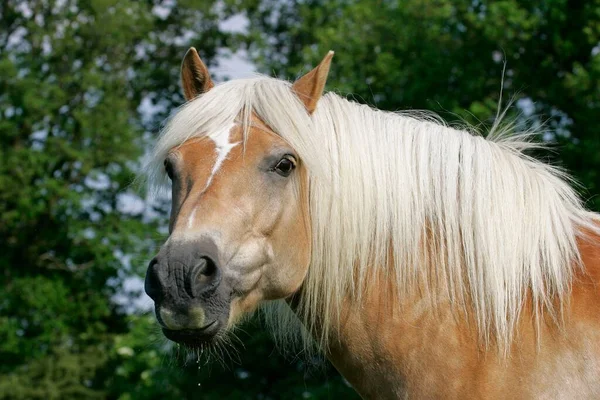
(146, 366)
(84, 85)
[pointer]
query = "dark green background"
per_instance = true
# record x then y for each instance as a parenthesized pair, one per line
(73, 74)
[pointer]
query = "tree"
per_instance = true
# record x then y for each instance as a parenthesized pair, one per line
(72, 77)
(250, 369)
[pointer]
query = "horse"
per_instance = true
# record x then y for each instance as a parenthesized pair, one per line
(424, 261)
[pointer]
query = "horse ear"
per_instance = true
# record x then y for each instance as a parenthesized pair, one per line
(195, 78)
(309, 88)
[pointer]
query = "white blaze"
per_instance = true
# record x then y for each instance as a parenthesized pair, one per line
(191, 219)
(222, 147)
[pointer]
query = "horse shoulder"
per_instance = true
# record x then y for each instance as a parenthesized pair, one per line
(568, 361)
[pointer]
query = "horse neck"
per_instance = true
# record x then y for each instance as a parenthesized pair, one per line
(421, 347)
(384, 347)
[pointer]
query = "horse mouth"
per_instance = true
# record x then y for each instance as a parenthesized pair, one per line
(193, 337)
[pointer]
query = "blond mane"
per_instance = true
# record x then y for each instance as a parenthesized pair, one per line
(498, 225)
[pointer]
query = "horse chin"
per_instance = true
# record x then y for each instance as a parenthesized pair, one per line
(195, 338)
(200, 325)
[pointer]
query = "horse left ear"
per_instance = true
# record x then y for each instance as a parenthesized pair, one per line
(309, 88)
(195, 79)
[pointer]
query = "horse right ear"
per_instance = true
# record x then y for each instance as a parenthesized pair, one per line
(195, 79)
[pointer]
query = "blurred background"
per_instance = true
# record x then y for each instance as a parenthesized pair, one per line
(84, 87)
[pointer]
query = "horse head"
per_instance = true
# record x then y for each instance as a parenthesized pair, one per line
(239, 225)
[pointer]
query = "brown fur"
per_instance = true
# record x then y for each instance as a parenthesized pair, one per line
(258, 211)
(417, 346)
(416, 352)
(309, 87)
(395, 348)
(195, 78)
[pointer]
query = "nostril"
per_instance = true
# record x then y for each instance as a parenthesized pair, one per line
(152, 281)
(204, 275)
(206, 267)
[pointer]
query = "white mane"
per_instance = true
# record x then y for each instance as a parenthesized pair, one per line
(471, 218)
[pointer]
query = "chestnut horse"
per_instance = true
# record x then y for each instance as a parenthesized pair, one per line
(426, 262)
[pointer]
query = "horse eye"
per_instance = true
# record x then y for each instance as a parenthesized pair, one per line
(285, 166)
(168, 168)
